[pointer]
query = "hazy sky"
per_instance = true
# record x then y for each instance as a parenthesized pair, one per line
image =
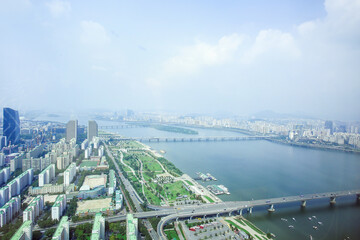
(189, 56)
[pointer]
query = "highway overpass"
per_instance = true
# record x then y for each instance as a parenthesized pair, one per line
(169, 214)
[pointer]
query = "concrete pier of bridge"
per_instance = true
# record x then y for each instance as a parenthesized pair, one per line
(271, 209)
(332, 200)
(303, 204)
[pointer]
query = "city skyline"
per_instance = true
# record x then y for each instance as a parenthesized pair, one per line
(189, 57)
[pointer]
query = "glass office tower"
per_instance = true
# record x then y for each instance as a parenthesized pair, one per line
(11, 125)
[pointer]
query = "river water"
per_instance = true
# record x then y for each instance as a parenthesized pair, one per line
(262, 169)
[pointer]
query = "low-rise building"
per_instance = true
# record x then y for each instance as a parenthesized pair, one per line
(92, 193)
(46, 189)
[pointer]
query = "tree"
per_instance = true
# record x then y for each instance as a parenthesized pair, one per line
(24, 206)
(37, 235)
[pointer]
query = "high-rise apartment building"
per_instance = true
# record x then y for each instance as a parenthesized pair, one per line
(47, 175)
(71, 130)
(11, 125)
(69, 174)
(98, 230)
(59, 207)
(62, 231)
(34, 209)
(132, 227)
(24, 232)
(92, 130)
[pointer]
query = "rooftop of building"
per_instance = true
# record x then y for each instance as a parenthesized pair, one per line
(112, 179)
(24, 173)
(58, 200)
(95, 234)
(3, 169)
(48, 167)
(72, 165)
(19, 233)
(59, 229)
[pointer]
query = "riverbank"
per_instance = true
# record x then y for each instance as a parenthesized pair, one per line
(315, 146)
(156, 179)
(282, 141)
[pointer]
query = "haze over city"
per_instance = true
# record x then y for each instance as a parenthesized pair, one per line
(204, 57)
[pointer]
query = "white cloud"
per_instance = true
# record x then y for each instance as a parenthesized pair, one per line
(58, 7)
(341, 22)
(93, 34)
(273, 42)
(193, 58)
(99, 68)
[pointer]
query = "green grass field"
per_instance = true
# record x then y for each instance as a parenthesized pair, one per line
(237, 226)
(209, 199)
(150, 164)
(129, 144)
(188, 182)
(174, 189)
(253, 227)
(155, 200)
(171, 234)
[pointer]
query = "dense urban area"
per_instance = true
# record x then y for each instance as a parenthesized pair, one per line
(68, 181)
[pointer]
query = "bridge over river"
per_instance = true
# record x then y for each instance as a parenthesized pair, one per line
(195, 139)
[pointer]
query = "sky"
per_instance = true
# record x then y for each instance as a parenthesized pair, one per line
(240, 57)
